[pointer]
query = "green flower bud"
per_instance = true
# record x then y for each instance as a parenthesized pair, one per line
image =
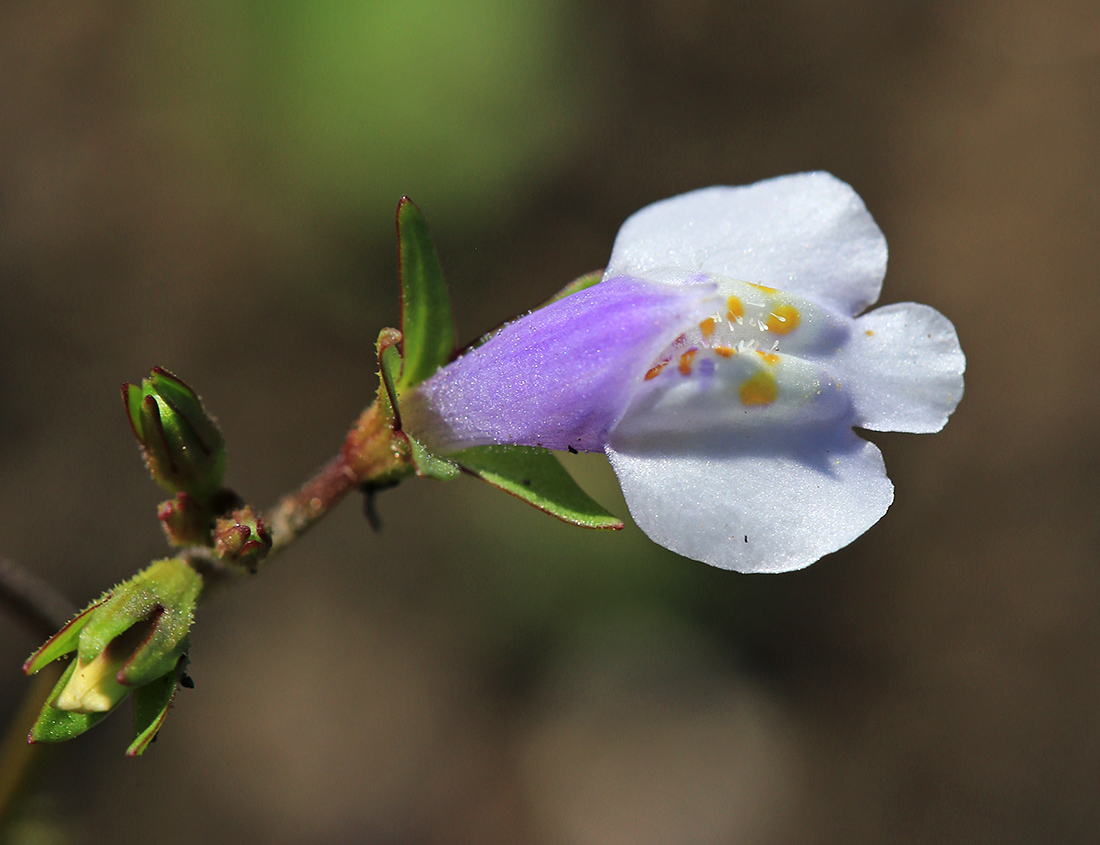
(135, 637)
(242, 538)
(183, 447)
(185, 522)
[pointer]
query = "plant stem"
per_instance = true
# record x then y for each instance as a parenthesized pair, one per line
(42, 609)
(297, 512)
(372, 455)
(17, 756)
(34, 601)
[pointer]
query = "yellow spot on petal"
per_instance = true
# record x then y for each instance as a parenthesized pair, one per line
(763, 288)
(653, 372)
(725, 351)
(735, 308)
(761, 389)
(707, 326)
(868, 332)
(769, 357)
(685, 361)
(784, 319)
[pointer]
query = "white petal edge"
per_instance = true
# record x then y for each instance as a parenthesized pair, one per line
(809, 234)
(795, 501)
(903, 369)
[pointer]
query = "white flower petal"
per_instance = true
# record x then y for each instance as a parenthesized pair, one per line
(758, 500)
(903, 368)
(808, 234)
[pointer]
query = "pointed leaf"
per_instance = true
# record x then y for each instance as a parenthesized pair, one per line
(55, 725)
(430, 465)
(161, 650)
(63, 641)
(172, 586)
(535, 476)
(132, 396)
(426, 320)
(174, 390)
(124, 609)
(151, 705)
(390, 365)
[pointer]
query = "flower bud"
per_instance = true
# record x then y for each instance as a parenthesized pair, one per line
(133, 637)
(93, 686)
(183, 447)
(184, 521)
(242, 538)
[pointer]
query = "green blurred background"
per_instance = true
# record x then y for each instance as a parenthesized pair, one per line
(210, 187)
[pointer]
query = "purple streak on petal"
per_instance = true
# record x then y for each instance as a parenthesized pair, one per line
(561, 376)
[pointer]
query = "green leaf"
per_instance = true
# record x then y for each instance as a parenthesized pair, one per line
(390, 366)
(127, 606)
(160, 651)
(55, 725)
(172, 585)
(431, 466)
(426, 321)
(151, 705)
(132, 396)
(63, 641)
(535, 476)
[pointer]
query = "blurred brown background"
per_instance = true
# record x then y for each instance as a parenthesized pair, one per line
(210, 187)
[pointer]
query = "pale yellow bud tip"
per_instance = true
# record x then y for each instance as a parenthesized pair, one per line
(93, 687)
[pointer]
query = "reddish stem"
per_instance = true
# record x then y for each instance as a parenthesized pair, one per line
(372, 454)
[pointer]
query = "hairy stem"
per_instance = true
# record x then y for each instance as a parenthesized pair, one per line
(298, 511)
(372, 456)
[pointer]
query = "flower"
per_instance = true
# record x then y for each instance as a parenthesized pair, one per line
(720, 365)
